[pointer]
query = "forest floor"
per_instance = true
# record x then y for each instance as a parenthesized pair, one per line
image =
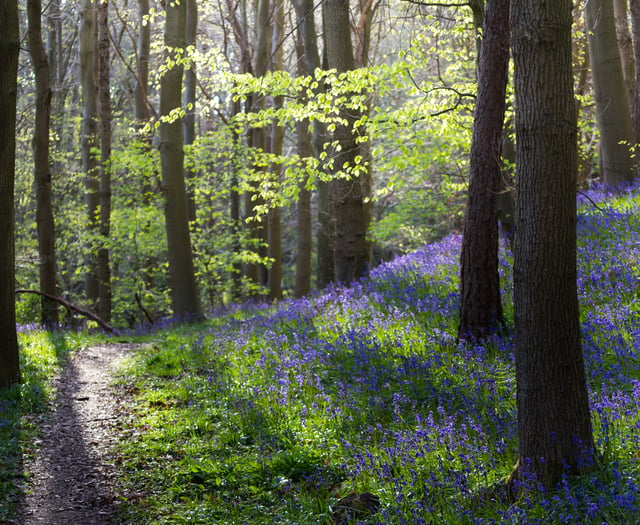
(70, 476)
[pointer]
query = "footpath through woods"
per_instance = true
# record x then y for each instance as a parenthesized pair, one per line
(70, 476)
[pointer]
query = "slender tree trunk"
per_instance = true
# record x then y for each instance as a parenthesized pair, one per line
(9, 49)
(325, 266)
(143, 48)
(625, 45)
(257, 273)
(305, 150)
(480, 304)
(190, 84)
(89, 83)
(42, 172)
(554, 425)
(351, 256)
(184, 290)
(277, 141)
(104, 82)
(614, 117)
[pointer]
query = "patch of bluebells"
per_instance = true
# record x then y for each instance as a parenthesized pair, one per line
(426, 421)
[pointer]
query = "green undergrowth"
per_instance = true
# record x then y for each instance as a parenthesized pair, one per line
(271, 415)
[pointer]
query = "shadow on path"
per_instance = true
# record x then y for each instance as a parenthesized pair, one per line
(73, 467)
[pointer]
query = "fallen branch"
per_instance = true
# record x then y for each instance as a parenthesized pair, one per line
(78, 309)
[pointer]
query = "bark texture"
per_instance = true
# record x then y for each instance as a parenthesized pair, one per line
(554, 425)
(625, 45)
(143, 48)
(41, 161)
(480, 303)
(9, 48)
(184, 291)
(351, 250)
(89, 85)
(614, 116)
(634, 6)
(104, 91)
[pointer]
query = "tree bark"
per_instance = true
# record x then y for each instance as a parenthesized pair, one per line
(143, 49)
(635, 27)
(184, 291)
(277, 143)
(104, 90)
(625, 45)
(325, 265)
(9, 49)
(614, 117)
(480, 303)
(554, 425)
(89, 84)
(257, 272)
(41, 161)
(351, 255)
(190, 84)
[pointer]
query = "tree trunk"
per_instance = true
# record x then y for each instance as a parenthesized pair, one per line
(9, 49)
(554, 425)
(89, 83)
(351, 255)
(184, 291)
(190, 83)
(325, 270)
(625, 45)
(257, 272)
(480, 304)
(143, 48)
(277, 142)
(104, 83)
(42, 172)
(635, 27)
(614, 117)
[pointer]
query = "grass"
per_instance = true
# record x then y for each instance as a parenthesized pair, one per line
(269, 415)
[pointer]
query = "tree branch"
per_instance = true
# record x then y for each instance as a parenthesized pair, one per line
(78, 309)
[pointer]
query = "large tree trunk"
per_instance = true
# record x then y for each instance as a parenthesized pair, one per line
(9, 48)
(614, 117)
(104, 89)
(89, 84)
(480, 304)
(184, 291)
(351, 255)
(41, 161)
(554, 425)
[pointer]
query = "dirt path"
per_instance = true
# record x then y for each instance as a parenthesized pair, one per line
(71, 474)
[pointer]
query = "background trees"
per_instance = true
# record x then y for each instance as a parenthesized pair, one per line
(409, 93)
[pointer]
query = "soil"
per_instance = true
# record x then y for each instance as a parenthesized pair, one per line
(70, 477)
